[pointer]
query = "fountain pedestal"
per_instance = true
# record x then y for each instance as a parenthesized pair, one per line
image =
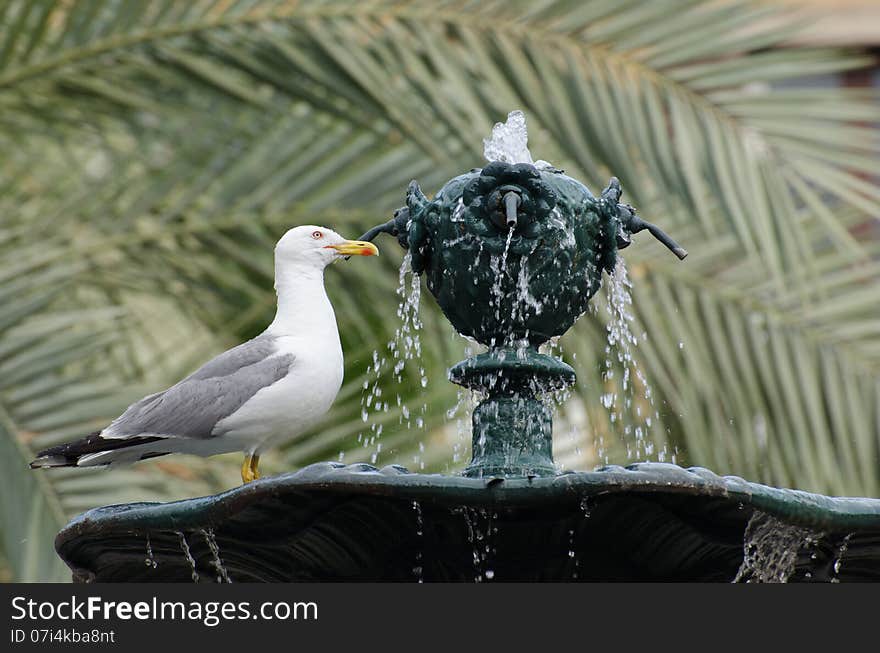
(512, 425)
(512, 436)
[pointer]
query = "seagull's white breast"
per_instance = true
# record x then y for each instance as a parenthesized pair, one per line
(292, 405)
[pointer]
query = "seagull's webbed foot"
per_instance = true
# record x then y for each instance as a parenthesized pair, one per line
(250, 468)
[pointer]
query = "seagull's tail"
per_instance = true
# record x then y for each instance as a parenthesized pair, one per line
(91, 450)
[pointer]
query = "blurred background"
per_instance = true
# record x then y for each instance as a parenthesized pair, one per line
(153, 151)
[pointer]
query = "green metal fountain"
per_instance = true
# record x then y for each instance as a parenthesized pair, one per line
(513, 254)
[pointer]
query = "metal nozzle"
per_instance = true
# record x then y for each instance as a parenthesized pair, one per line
(511, 204)
(630, 223)
(638, 224)
(389, 227)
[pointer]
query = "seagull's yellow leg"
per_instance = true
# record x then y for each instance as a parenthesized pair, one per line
(250, 468)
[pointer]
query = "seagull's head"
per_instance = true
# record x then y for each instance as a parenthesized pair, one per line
(318, 246)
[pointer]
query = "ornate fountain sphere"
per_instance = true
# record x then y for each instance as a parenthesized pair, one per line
(512, 253)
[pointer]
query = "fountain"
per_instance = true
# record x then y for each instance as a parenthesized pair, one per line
(512, 253)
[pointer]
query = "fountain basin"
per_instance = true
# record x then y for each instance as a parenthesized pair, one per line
(330, 522)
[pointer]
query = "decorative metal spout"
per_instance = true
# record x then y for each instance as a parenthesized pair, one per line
(511, 204)
(636, 225)
(397, 226)
(513, 254)
(630, 223)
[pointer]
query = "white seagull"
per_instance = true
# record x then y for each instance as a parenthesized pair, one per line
(251, 397)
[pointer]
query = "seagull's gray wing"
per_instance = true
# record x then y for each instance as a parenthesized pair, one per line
(232, 360)
(191, 408)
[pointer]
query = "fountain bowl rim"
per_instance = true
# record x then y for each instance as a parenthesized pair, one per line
(797, 507)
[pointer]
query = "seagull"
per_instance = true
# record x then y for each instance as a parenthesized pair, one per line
(252, 397)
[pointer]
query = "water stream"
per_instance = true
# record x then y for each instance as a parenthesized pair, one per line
(572, 553)
(770, 549)
(459, 418)
(509, 142)
(403, 350)
(628, 399)
(838, 559)
(222, 574)
(184, 546)
(498, 265)
(481, 531)
(418, 568)
(150, 560)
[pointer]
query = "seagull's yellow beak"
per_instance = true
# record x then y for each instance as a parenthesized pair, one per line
(355, 248)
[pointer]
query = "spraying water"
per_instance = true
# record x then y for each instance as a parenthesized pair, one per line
(509, 142)
(184, 546)
(770, 549)
(498, 265)
(418, 568)
(462, 414)
(211, 541)
(481, 528)
(628, 400)
(150, 560)
(404, 349)
(838, 559)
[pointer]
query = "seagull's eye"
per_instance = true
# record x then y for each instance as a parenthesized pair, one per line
(317, 235)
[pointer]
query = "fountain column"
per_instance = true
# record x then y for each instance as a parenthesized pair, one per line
(512, 425)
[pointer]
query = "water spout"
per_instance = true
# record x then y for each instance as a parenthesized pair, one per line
(636, 224)
(511, 203)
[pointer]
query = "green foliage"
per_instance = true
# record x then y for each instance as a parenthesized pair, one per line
(154, 151)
